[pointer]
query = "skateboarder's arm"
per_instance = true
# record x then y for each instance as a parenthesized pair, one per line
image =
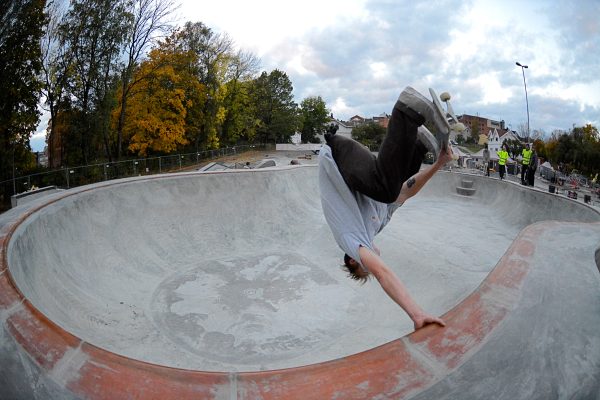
(416, 182)
(394, 288)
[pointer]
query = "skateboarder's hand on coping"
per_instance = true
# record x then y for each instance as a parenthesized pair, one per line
(424, 319)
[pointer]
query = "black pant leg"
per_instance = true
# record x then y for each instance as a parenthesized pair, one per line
(399, 158)
(356, 164)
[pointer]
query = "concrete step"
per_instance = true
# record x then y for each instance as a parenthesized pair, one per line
(466, 183)
(465, 191)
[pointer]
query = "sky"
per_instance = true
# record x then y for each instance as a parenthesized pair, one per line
(358, 55)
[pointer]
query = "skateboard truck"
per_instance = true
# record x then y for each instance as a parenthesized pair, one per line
(450, 117)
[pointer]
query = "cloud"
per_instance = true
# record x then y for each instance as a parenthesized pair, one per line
(359, 54)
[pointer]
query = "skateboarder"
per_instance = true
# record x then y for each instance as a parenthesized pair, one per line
(361, 191)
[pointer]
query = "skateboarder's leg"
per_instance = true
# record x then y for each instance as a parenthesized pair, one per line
(381, 178)
(356, 164)
(397, 160)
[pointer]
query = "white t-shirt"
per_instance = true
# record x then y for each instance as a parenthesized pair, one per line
(354, 219)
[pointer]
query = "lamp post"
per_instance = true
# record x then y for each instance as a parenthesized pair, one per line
(526, 100)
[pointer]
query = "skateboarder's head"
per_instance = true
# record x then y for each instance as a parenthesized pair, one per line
(355, 271)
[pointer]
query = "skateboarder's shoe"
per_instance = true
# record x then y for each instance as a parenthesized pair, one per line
(331, 130)
(432, 112)
(428, 140)
(419, 103)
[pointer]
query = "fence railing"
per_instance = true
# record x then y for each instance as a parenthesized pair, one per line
(69, 177)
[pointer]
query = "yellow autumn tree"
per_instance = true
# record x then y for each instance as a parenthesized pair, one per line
(155, 118)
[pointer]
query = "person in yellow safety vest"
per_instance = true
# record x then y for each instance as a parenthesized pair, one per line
(502, 158)
(526, 154)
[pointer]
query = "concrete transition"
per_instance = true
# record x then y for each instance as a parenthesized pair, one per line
(227, 285)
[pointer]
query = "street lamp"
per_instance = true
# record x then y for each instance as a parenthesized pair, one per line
(526, 100)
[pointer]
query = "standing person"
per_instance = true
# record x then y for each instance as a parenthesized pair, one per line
(502, 158)
(532, 168)
(486, 160)
(361, 191)
(526, 154)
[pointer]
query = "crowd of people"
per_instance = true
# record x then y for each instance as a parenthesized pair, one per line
(529, 163)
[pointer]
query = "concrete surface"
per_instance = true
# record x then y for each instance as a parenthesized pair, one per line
(168, 278)
(24, 197)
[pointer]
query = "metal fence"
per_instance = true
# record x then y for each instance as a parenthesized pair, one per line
(69, 177)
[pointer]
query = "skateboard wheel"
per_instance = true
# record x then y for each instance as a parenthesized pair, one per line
(459, 127)
(445, 96)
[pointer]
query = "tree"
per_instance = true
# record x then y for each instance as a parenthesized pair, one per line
(55, 73)
(584, 155)
(515, 147)
(156, 116)
(475, 131)
(522, 130)
(564, 153)
(149, 18)
(240, 118)
(537, 134)
(213, 53)
(314, 115)
(92, 34)
(540, 148)
(370, 134)
(276, 109)
(21, 28)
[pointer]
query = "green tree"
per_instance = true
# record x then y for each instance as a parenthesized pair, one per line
(564, 152)
(540, 148)
(213, 54)
(21, 28)
(276, 109)
(515, 147)
(92, 34)
(240, 119)
(582, 152)
(314, 115)
(370, 134)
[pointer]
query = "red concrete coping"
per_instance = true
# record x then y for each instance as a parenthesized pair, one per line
(397, 369)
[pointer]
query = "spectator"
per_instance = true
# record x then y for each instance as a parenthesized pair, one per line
(502, 158)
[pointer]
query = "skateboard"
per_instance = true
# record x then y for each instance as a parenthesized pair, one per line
(450, 116)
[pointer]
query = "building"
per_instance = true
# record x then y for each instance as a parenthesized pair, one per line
(383, 120)
(480, 126)
(356, 120)
(345, 127)
(496, 139)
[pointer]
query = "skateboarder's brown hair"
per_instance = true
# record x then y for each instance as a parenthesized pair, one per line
(355, 271)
